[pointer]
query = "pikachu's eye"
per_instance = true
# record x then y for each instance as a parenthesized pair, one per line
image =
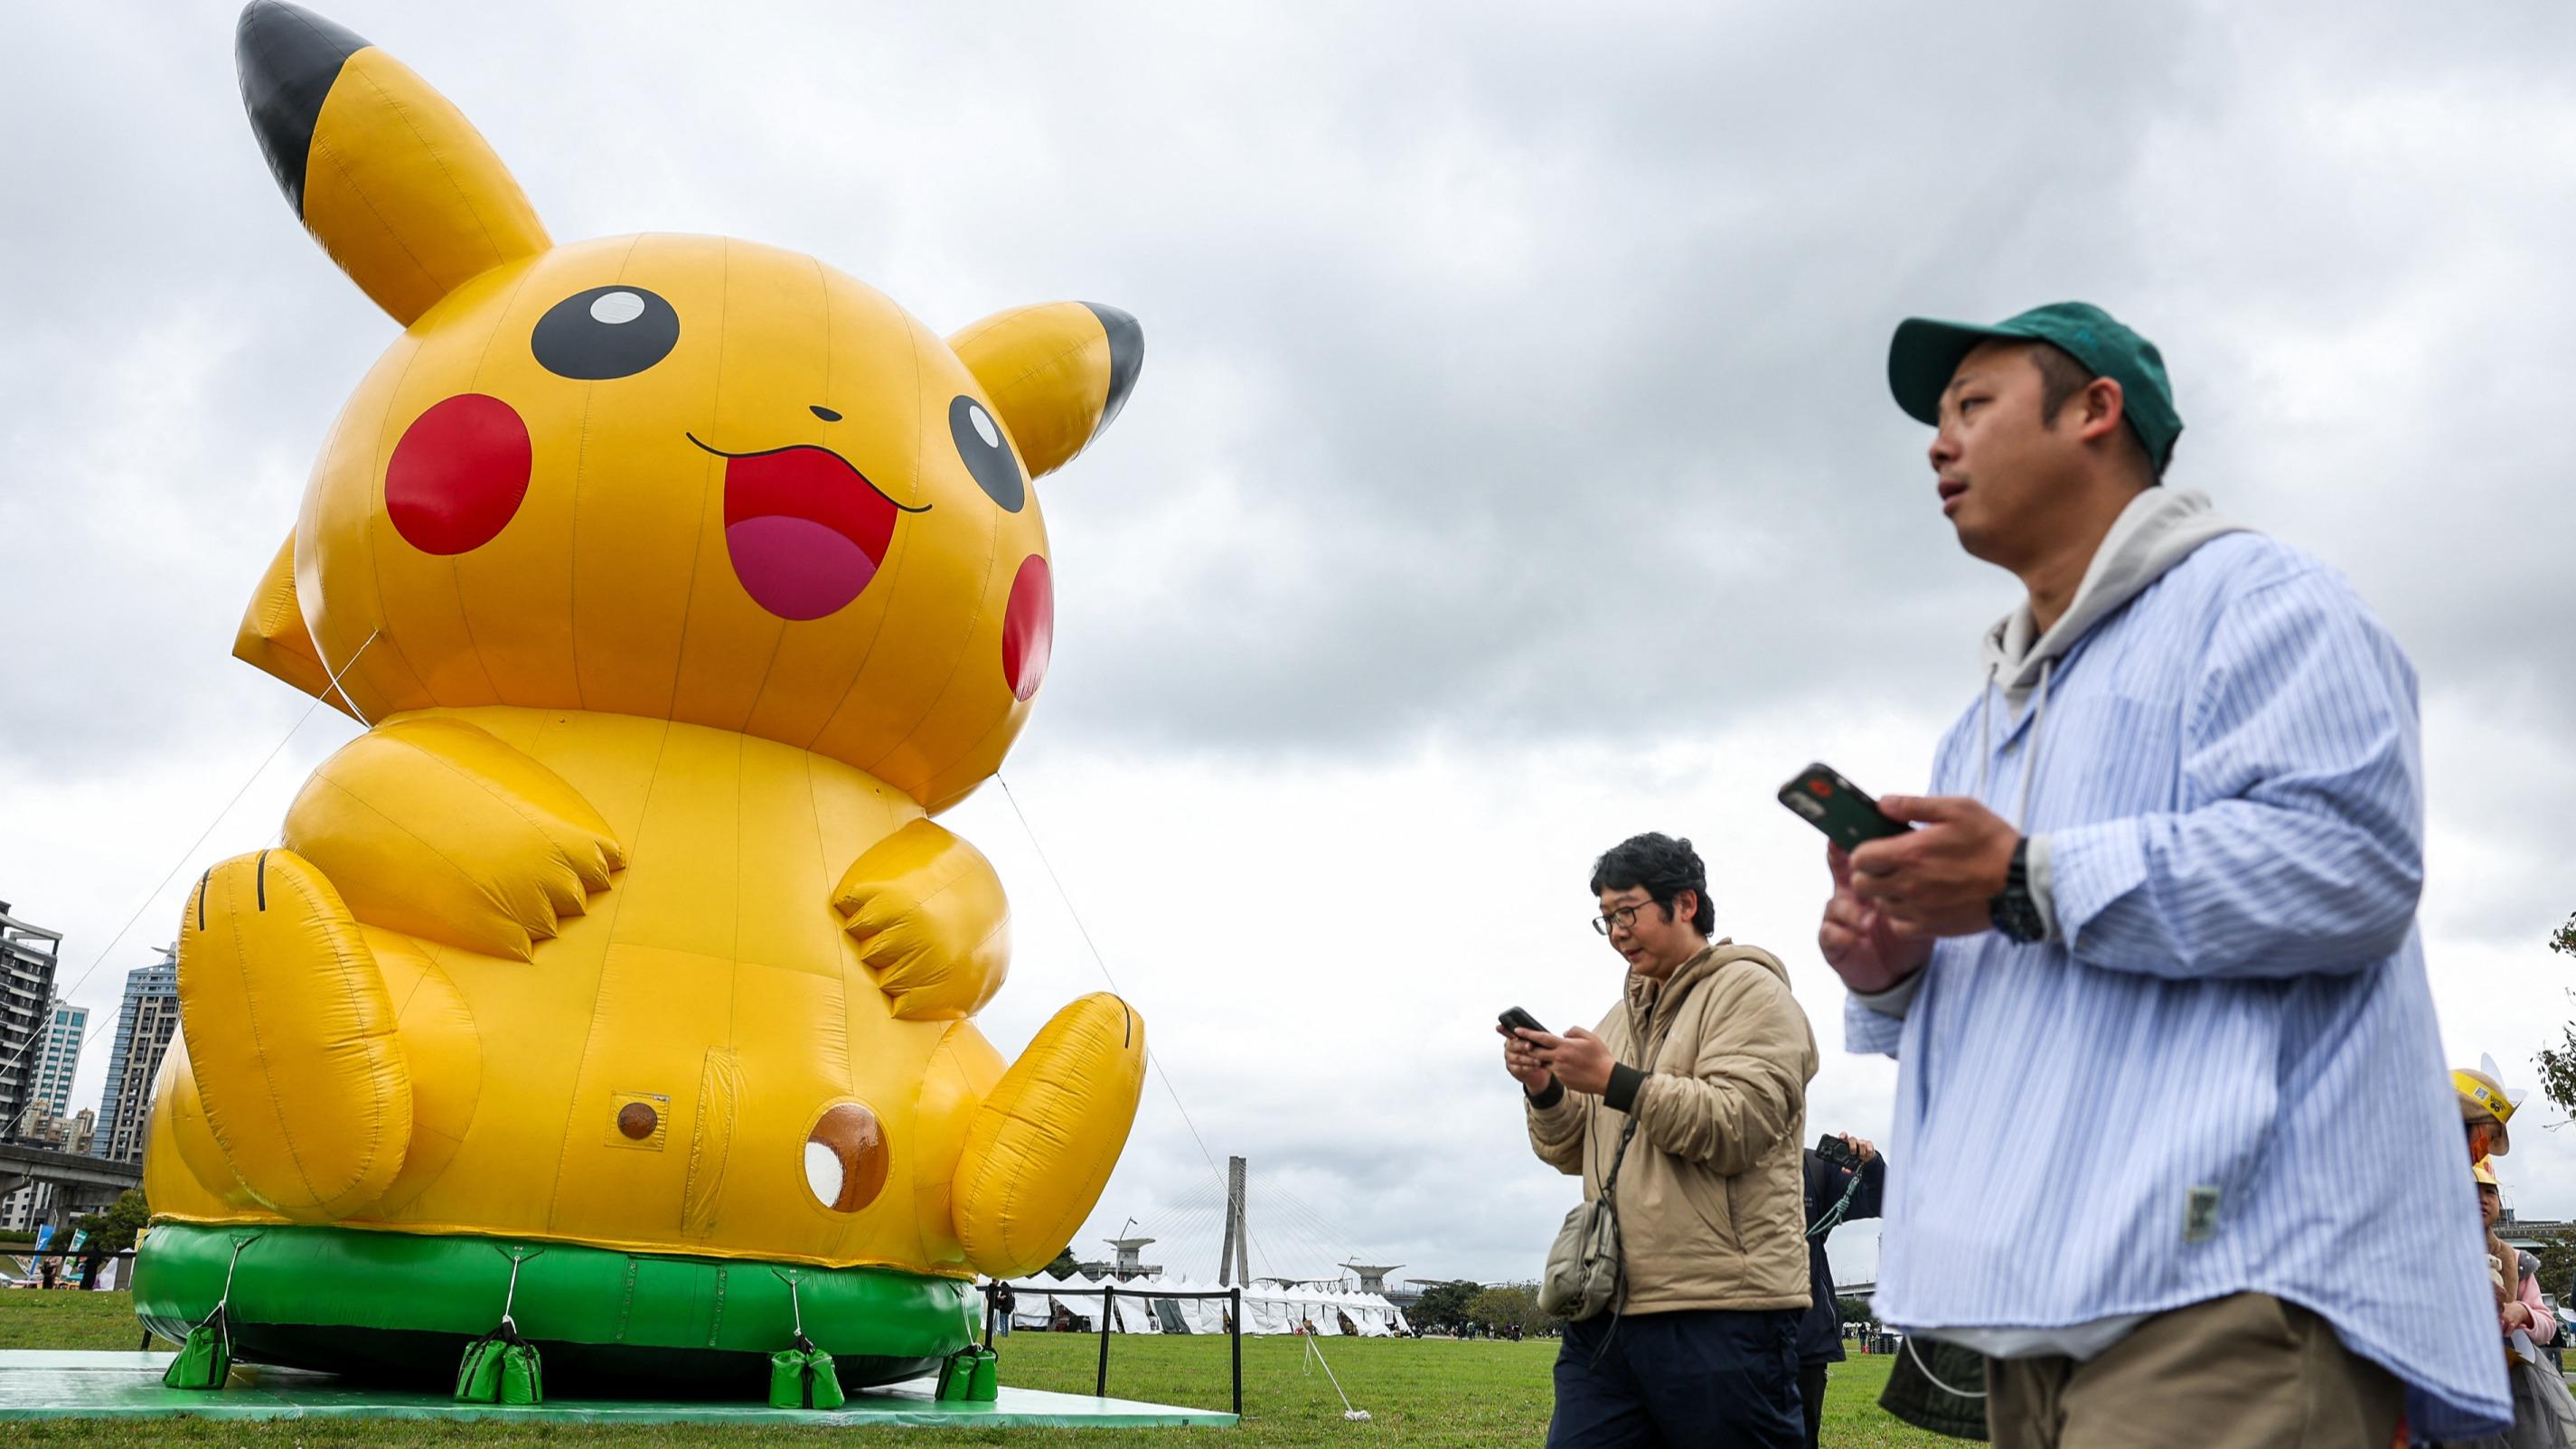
(605, 332)
(987, 453)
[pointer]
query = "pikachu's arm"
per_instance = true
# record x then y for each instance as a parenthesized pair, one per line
(1040, 1148)
(931, 921)
(434, 828)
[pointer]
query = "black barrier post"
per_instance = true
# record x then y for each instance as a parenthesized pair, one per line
(1108, 1300)
(1236, 1322)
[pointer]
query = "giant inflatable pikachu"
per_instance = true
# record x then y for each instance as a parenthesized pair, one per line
(617, 978)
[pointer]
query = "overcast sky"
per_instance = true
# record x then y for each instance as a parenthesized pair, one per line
(1512, 468)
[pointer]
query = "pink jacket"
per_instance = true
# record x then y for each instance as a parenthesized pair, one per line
(2543, 1327)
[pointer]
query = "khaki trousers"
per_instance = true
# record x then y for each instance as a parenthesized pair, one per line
(2247, 1370)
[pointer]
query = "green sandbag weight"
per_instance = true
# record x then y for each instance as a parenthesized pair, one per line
(985, 1386)
(522, 1375)
(822, 1381)
(501, 1367)
(787, 1379)
(205, 1357)
(478, 1376)
(801, 1377)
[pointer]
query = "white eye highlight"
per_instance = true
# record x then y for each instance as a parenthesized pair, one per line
(984, 427)
(616, 307)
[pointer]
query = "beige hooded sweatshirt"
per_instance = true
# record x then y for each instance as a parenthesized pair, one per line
(1710, 1197)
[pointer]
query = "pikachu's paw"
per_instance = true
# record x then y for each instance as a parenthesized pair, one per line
(930, 919)
(434, 828)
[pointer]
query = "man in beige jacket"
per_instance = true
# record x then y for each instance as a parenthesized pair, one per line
(1705, 1061)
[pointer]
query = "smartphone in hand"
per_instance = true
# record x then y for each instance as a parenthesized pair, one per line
(1824, 799)
(1521, 1020)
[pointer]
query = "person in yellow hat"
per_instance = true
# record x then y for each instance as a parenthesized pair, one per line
(2503, 1264)
(2544, 1413)
(2486, 1105)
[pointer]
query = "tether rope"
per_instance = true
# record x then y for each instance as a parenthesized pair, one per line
(1152, 1057)
(64, 995)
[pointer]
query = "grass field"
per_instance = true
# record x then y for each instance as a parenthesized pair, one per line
(1427, 1392)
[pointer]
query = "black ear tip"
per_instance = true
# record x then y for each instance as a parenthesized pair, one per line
(287, 58)
(1126, 359)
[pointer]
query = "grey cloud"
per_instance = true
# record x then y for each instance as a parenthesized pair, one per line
(1479, 351)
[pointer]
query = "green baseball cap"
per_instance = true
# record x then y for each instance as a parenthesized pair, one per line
(1926, 352)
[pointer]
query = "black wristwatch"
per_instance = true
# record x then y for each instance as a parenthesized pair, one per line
(2012, 910)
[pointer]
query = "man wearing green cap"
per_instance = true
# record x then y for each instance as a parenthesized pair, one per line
(2179, 1163)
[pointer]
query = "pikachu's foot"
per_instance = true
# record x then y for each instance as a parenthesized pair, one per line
(291, 1036)
(1041, 1146)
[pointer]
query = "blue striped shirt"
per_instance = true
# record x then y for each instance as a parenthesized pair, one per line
(2235, 1018)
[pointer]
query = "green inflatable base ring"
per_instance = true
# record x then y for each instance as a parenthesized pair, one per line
(398, 1305)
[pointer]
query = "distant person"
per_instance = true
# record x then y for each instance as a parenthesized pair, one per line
(2177, 1157)
(2544, 1415)
(1004, 1304)
(1705, 1063)
(2486, 1106)
(48, 1268)
(91, 1262)
(1835, 1195)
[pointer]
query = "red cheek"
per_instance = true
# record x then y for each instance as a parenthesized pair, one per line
(1028, 627)
(458, 474)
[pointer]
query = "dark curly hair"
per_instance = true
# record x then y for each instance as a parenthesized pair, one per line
(1664, 868)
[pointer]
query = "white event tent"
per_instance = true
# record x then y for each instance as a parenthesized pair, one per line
(1268, 1307)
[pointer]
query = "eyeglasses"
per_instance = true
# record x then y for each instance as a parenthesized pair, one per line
(1619, 918)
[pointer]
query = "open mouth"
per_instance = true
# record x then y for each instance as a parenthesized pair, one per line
(805, 530)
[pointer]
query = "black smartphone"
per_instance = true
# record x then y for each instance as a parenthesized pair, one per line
(1515, 1017)
(1836, 1151)
(1836, 806)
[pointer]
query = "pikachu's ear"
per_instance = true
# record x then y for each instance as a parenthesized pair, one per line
(1056, 372)
(273, 638)
(395, 183)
